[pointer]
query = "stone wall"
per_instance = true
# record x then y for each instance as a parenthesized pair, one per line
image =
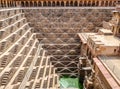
(23, 62)
(57, 28)
(77, 19)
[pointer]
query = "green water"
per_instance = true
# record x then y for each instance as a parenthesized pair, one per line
(66, 82)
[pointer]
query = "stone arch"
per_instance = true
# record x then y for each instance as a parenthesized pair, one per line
(44, 3)
(35, 4)
(75, 3)
(106, 3)
(11, 4)
(22, 4)
(110, 3)
(49, 3)
(53, 3)
(26, 4)
(80, 3)
(62, 3)
(18, 3)
(39, 3)
(4, 4)
(89, 3)
(31, 3)
(97, 3)
(8, 4)
(93, 3)
(67, 3)
(71, 3)
(57, 3)
(85, 3)
(114, 3)
(102, 3)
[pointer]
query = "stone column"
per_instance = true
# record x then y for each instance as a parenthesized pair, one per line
(99, 3)
(60, 4)
(78, 3)
(65, 3)
(37, 3)
(42, 3)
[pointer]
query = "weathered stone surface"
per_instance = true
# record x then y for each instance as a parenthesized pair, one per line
(67, 18)
(57, 30)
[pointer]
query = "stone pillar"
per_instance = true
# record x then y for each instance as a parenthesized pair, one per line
(60, 4)
(14, 3)
(5, 4)
(95, 3)
(55, 3)
(90, 3)
(18, 3)
(42, 3)
(83, 3)
(78, 3)
(47, 3)
(0, 5)
(86, 3)
(113, 3)
(104, 3)
(65, 3)
(99, 3)
(9, 4)
(109, 3)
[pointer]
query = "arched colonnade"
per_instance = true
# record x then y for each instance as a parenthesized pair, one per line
(56, 3)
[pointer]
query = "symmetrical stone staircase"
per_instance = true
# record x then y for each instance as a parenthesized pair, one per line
(24, 64)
